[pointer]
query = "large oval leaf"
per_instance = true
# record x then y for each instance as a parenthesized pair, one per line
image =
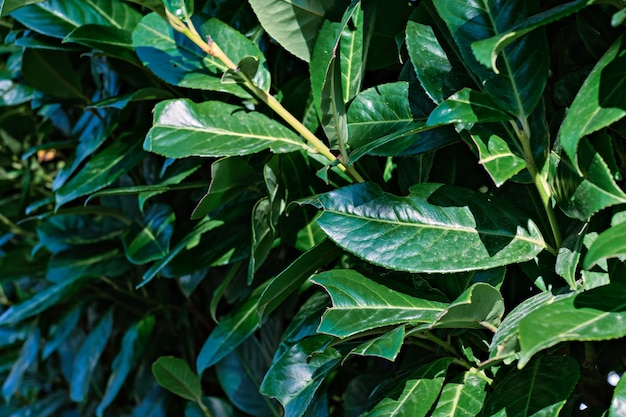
(437, 228)
(182, 128)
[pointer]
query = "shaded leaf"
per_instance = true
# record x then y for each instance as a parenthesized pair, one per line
(568, 256)
(463, 397)
(542, 388)
(596, 314)
(7, 6)
(174, 375)
(213, 128)
(27, 357)
(496, 155)
(113, 41)
(60, 331)
(467, 106)
(479, 306)
(86, 262)
(51, 73)
(352, 47)
(217, 407)
(437, 228)
(360, 304)
(150, 240)
(385, 346)
(88, 355)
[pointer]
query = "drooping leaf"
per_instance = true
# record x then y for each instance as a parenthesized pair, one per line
(57, 18)
(437, 228)
(299, 22)
(27, 357)
(294, 376)
(523, 64)
(178, 61)
(467, 106)
(596, 314)
(481, 305)
(462, 397)
(414, 396)
(385, 346)
(568, 256)
(599, 102)
(150, 240)
(88, 355)
(360, 304)
(174, 375)
(496, 155)
(609, 244)
(182, 128)
(542, 388)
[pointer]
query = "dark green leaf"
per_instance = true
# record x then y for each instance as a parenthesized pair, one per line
(467, 106)
(415, 396)
(120, 102)
(101, 170)
(300, 21)
(88, 355)
(178, 61)
(291, 278)
(217, 407)
(113, 41)
(599, 102)
(385, 346)
(86, 262)
(463, 397)
(542, 388)
(568, 256)
(437, 228)
(174, 375)
(60, 331)
(523, 64)
(351, 54)
(596, 314)
(479, 306)
(609, 244)
(213, 128)
(295, 375)
(7, 6)
(51, 73)
(57, 18)
(360, 304)
(150, 240)
(28, 356)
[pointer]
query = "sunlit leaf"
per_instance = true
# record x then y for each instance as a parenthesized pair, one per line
(174, 374)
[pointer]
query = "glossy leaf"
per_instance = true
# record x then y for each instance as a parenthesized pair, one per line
(568, 256)
(7, 6)
(27, 357)
(351, 53)
(57, 18)
(88, 355)
(496, 155)
(182, 128)
(231, 331)
(437, 228)
(599, 102)
(618, 403)
(582, 196)
(479, 306)
(174, 375)
(294, 376)
(542, 388)
(467, 106)
(111, 40)
(178, 61)
(150, 240)
(524, 63)
(415, 396)
(463, 397)
(609, 244)
(360, 304)
(596, 314)
(386, 346)
(101, 170)
(300, 22)
(291, 278)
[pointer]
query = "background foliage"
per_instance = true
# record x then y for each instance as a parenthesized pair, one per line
(228, 208)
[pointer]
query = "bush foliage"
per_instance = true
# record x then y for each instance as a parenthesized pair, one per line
(311, 208)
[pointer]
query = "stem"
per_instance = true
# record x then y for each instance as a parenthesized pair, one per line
(541, 183)
(213, 49)
(203, 407)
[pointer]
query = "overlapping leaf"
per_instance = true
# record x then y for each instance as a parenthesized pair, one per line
(437, 228)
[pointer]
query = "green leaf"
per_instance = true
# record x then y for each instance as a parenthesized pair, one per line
(568, 256)
(42, 300)
(437, 74)
(300, 21)
(7, 6)
(599, 102)
(360, 304)
(415, 396)
(618, 403)
(496, 156)
(582, 196)
(479, 306)
(596, 314)
(351, 48)
(386, 346)
(60, 331)
(174, 375)
(27, 357)
(124, 361)
(101, 170)
(57, 18)
(463, 397)
(231, 331)
(86, 262)
(437, 228)
(505, 343)
(178, 61)
(217, 407)
(467, 106)
(113, 41)
(51, 73)
(609, 244)
(290, 279)
(88, 355)
(213, 128)
(150, 240)
(144, 94)
(524, 63)
(295, 375)
(541, 389)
